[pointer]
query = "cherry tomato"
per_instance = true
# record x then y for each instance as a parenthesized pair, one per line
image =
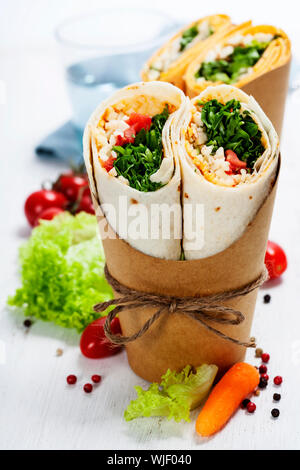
(234, 161)
(38, 201)
(93, 342)
(86, 205)
(275, 260)
(47, 214)
(70, 185)
(139, 121)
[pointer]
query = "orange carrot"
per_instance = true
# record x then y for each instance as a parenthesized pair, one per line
(226, 397)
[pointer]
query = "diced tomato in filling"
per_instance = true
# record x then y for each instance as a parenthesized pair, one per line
(235, 163)
(139, 122)
(108, 164)
(127, 137)
(136, 123)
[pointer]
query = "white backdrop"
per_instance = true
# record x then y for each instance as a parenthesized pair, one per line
(37, 409)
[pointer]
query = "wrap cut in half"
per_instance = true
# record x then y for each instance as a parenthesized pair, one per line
(170, 61)
(228, 151)
(253, 58)
(132, 171)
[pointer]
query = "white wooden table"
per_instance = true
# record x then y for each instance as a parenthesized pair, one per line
(38, 410)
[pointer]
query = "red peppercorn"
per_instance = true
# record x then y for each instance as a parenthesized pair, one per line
(251, 407)
(277, 380)
(265, 376)
(96, 378)
(265, 357)
(263, 369)
(71, 379)
(88, 388)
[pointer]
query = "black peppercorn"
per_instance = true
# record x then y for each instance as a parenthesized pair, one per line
(263, 383)
(276, 397)
(245, 403)
(267, 299)
(275, 412)
(27, 323)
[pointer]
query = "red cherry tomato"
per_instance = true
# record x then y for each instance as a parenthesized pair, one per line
(47, 214)
(234, 161)
(86, 205)
(70, 185)
(275, 260)
(139, 121)
(93, 342)
(38, 201)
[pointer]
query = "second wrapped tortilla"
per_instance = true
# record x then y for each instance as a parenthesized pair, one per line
(171, 60)
(228, 150)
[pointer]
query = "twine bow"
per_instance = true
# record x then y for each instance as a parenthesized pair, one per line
(201, 309)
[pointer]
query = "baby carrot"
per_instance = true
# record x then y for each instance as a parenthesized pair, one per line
(226, 397)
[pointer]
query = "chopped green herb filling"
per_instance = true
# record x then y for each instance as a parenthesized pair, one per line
(138, 161)
(229, 70)
(187, 37)
(227, 127)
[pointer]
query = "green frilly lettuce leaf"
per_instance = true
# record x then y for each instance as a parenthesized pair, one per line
(175, 396)
(62, 272)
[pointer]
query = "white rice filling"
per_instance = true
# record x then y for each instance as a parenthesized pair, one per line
(105, 138)
(173, 52)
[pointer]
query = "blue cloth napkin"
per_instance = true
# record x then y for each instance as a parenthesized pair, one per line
(65, 144)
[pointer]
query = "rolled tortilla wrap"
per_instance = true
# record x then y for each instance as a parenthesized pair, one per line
(227, 189)
(238, 57)
(133, 181)
(170, 61)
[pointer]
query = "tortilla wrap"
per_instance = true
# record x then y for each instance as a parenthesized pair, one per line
(124, 206)
(173, 61)
(226, 210)
(277, 54)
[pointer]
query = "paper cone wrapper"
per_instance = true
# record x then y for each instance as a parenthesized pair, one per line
(270, 91)
(176, 340)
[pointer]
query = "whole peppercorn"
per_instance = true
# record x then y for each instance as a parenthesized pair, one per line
(263, 369)
(263, 383)
(27, 323)
(71, 379)
(265, 376)
(276, 397)
(96, 378)
(258, 352)
(275, 412)
(251, 407)
(88, 388)
(265, 357)
(267, 299)
(245, 403)
(277, 380)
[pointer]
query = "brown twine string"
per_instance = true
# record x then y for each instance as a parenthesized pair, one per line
(200, 309)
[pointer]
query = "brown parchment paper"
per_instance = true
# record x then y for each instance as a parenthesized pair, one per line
(270, 91)
(175, 340)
